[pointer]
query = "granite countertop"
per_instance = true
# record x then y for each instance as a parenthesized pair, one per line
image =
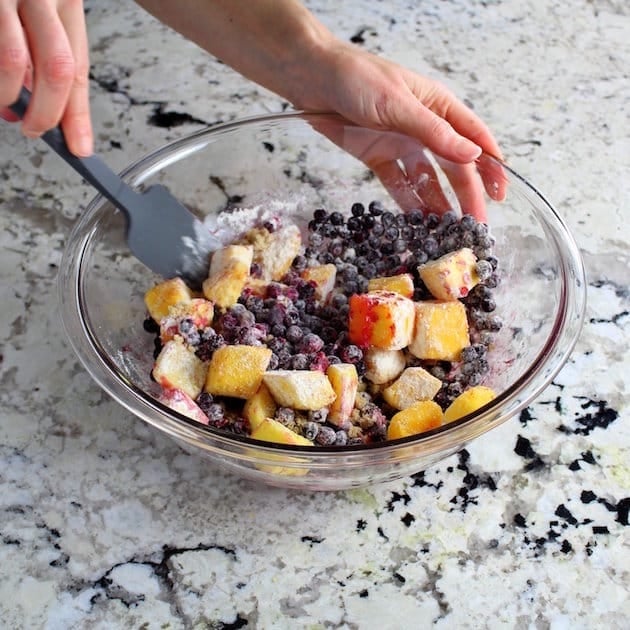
(104, 523)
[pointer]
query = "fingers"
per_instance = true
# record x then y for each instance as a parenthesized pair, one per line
(50, 35)
(14, 59)
(466, 123)
(76, 121)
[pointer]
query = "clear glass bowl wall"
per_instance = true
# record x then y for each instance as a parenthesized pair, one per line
(281, 162)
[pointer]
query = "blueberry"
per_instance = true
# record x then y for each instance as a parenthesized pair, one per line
(326, 436)
(311, 343)
(357, 209)
(415, 217)
(375, 208)
(351, 354)
(294, 333)
(318, 415)
(310, 430)
(354, 224)
(387, 218)
(300, 361)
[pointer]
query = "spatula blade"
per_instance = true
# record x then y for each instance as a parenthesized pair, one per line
(167, 237)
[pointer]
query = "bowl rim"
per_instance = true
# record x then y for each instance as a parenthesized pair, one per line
(565, 331)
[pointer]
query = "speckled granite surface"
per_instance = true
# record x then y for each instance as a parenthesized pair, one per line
(106, 524)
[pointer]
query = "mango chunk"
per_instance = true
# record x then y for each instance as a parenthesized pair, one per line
(412, 386)
(260, 406)
(160, 298)
(237, 371)
(422, 416)
(380, 319)
(270, 430)
(451, 276)
(468, 402)
(441, 330)
(401, 283)
(300, 389)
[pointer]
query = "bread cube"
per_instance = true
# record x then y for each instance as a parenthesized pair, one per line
(300, 389)
(323, 277)
(160, 298)
(260, 406)
(383, 366)
(229, 271)
(441, 330)
(345, 382)
(451, 276)
(468, 402)
(177, 367)
(380, 319)
(401, 283)
(412, 386)
(181, 402)
(274, 251)
(237, 371)
(420, 417)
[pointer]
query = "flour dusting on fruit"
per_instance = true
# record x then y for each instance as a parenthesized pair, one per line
(363, 327)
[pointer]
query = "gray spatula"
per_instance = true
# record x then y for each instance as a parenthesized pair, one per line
(161, 232)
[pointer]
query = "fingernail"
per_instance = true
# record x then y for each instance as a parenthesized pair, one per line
(83, 146)
(467, 150)
(31, 133)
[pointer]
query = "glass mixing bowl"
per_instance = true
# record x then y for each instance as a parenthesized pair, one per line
(293, 163)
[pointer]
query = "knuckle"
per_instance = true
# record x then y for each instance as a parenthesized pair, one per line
(59, 70)
(439, 128)
(13, 61)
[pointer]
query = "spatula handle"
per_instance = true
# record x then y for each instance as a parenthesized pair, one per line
(91, 168)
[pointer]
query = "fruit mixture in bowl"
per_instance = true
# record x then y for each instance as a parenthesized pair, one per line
(364, 325)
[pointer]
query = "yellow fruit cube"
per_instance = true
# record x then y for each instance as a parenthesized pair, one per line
(441, 330)
(300, 389)
(229, 271)
(469, 401)
(160, 298)
(451, 276)
(323, 277)
(401, 283)
(345, 382)
(420, 417)
(237, 371)
(259, 407)
(270, 430)
(177, 367)
(412, 386)
(380, 319)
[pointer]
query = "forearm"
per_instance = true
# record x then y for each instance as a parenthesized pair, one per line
(272, 42)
